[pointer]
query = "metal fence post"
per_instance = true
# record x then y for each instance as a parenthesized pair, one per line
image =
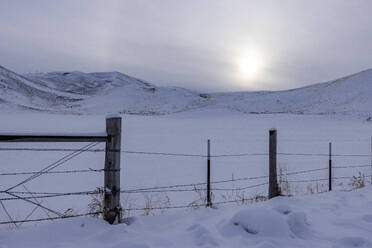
(209, 201)
(111, 202)
(273, 183)
(330, 167)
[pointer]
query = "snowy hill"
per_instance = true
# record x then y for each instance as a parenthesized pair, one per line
(85, 84)
(348, 95)
(134, 99)
(108, 92)
(19, 92)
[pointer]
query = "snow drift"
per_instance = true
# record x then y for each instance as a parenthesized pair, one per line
(325, 220)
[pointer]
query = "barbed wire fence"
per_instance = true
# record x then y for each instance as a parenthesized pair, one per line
(192, 187)
(34, 197)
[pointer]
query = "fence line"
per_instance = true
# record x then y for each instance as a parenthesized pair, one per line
(170, 187)
(184, 154)
(161, 189)
(55, 164)
(323, 154)
(322, 179)
(146, 190)
(53, 194)
(127, 209)
(103, 170)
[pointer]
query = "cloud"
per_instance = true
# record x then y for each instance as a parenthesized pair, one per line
(192, 44)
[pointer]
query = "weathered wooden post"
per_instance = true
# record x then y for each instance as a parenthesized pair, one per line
(330, 168)
(273, 183)
(209, 200)
(111, 204)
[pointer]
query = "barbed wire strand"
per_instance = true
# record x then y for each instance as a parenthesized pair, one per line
(36, 195)
(323, 179)
(55, 164)
(59, 162)
(323, 154)
(52, 172)
(102, 170)
(127, 209)
(352, 166)
(184, 154)
(52, 218)
(157, 189)
(150, 188)
(304, 171)
(42, 195)
(198, 184)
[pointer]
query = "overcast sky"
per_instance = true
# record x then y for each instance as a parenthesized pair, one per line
(204, 45)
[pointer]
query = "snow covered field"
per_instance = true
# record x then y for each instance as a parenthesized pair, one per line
(187, 133)
(330, 220)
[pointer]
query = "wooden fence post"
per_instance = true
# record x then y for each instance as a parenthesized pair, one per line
(111, 202)
(273, 183)
(330, 167)
(209, 201)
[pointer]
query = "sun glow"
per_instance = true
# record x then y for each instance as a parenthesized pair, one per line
(250, 64)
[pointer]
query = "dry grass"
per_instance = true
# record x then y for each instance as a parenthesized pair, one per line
(284, 188)
(96, 204)
(358, 182)
(160, 200)
(201, 198)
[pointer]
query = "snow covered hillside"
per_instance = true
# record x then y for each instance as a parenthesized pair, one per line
(113, 92)
(85, 84)
(348, 95)
(18, 92)
(331, 220)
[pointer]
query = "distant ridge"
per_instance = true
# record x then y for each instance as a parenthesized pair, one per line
(350, 95)
(108, 92)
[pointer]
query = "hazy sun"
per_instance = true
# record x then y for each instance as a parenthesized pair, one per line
(249, 64)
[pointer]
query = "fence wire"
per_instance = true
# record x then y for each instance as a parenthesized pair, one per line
(50, 218)
(182, 154)
(128, 209)
(195, 187)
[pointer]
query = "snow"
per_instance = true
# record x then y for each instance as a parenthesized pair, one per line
(177, 120)
(140, 100)
(113, 92)
(324, 220)
(257, 221)
(337, 219)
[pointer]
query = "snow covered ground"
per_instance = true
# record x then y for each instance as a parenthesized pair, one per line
(187, 133)
(307, 119)
(330, 220)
